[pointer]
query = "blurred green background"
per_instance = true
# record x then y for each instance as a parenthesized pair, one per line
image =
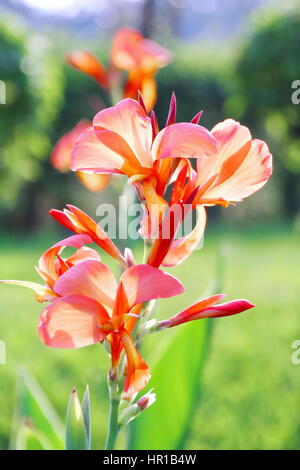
(230, 60)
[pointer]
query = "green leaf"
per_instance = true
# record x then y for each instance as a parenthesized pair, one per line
(176, 381)
(35, 412)
(76, 435)
(29, 438)
(176, 374)
(86, 411)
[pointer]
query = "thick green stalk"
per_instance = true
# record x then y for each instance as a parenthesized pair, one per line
(113, 425)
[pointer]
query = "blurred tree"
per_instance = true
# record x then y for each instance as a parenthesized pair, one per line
(34, 86)
(148, 13)
(262, 96)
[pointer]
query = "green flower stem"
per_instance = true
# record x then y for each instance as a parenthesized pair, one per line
(113, 425)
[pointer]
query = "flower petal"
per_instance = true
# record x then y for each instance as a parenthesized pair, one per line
(79, 222)
(89, 64)
(102, 151)
(183, 247)
(184, 140)
(138, 372)
(142, 282)
(230, 137)
(47, 267)
(91, 279)
(124, 48)
(83, 254)
(61, 153)
(93, 182)
(173, 218)
(71, 322)
(128, 120)
(130, 51)
(251, 175)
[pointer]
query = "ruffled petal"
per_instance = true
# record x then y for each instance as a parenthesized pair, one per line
(128, 120)
(230, 137)
(142, 282)
(103, 151)
(184, 140)
(251, 175)
(240, 167)
(91, 279)
(71, 322)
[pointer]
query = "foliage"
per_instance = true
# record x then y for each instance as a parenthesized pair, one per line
(36, 424)
(32, 73)
(261, 96)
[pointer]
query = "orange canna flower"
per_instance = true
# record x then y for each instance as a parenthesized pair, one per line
(241, 166)
(52, 265)
(124, 139)
(61, 156)
(91, 307)
(141, 58)
(132, 52)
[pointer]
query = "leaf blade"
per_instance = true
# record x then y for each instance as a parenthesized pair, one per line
(176, 380)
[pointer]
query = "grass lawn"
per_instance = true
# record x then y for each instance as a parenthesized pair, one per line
(251, 389)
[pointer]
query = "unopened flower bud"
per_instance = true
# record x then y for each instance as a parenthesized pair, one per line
(129, 258)
(147, 400)
(134, 410)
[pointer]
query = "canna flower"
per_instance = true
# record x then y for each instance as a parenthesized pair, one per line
(124, 139)
(52, 265)
(130, 52)
(141, 58)
(121, 140)
(241, 166)
(61, 156)
(92, 307)
(206, 308)
(79, 222)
